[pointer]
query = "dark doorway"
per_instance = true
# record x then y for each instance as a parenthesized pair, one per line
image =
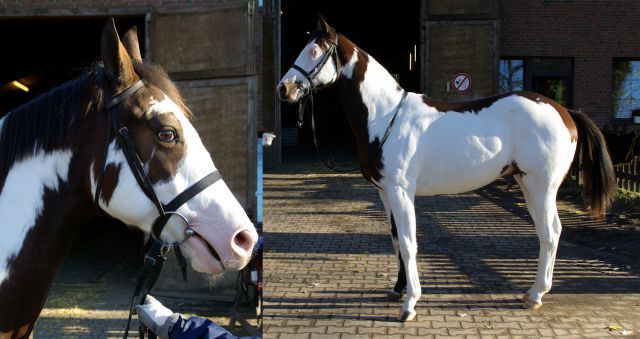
(556, 88)
(387, 30)
(43, 53)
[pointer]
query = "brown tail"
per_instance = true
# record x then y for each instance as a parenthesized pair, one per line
(598, 176)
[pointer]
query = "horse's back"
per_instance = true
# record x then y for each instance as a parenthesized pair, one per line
(458, 152)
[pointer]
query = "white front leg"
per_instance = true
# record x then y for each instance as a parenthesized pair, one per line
(401, 205)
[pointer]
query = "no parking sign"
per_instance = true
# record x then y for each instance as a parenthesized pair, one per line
(461, 82)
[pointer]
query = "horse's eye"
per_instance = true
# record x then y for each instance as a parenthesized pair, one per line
(314, 52)
(167, 135)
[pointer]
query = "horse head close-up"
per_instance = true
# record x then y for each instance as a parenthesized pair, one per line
(117, 141)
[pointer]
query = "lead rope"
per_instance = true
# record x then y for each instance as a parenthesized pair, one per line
(327, 159)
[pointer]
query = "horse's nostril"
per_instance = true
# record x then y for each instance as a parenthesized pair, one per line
(243, 240)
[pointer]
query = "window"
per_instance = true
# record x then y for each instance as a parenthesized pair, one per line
(549, 76)
(626, 87)
(511, 75)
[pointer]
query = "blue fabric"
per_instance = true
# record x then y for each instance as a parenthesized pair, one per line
(198, 328)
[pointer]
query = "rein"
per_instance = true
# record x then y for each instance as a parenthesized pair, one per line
(307, 101)
(328, 160)
(156, 249)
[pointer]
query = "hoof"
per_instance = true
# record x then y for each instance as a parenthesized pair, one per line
(530, 304)
(407, 316)
(394, 296)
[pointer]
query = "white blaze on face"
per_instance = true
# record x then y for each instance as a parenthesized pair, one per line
(311, 55)
(214, 213)
(21, 200)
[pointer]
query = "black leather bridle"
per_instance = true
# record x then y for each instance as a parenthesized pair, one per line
(156, 249)
(310, 76)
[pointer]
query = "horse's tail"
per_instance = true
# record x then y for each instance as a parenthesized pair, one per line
(599, 187)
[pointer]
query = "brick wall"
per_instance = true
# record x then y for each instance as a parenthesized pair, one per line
(97, 7)
(593, 32)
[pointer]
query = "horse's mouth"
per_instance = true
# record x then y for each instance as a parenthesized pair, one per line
(212, 250)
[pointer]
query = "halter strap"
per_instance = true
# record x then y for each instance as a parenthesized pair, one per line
(131, 90)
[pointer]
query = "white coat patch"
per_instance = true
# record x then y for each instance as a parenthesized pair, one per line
(21, 200)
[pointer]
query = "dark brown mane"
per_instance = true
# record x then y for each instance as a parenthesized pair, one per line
(46, 123)
(322, 39)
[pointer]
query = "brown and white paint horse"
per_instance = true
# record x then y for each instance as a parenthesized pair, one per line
(447, 148)
(50, 155)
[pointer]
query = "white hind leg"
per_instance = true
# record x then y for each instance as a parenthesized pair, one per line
(540, 196)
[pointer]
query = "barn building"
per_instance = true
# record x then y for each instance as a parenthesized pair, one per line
(226, 56)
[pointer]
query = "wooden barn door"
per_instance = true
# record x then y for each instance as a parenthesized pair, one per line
(460, 55)
(211, 56)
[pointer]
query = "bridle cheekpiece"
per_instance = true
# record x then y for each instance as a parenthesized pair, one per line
(155, 249)
(311, 75)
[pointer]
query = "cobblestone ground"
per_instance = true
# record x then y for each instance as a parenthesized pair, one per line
(329, 262)
(90, 296)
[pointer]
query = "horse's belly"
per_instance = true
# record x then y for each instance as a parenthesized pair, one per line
(453, 182)
(463, 166)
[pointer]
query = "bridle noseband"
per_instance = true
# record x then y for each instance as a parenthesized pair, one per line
(156, 248)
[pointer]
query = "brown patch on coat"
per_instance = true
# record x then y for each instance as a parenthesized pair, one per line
(562, 111)
(475, 106)
(162, 158)
(32, 269)
(110, 182)
(357, 112)
(472, 106)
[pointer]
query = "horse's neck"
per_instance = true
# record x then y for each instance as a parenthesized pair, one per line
(30, 271)
(42, 205)
(369, 93)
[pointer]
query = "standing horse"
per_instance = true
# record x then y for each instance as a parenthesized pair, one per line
(409, 144)
(59, 156)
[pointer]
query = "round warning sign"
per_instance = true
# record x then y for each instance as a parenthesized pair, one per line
(461, 82)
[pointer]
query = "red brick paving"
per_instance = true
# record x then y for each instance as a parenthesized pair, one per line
(329, 262)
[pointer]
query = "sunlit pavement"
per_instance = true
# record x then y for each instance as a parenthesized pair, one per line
(91, 294)
(329, 263)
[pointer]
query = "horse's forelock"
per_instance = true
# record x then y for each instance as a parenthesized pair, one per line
(154, 75)
(322, 38)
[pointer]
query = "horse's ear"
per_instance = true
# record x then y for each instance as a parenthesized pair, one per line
(131, 44)
(117, 63)
(323, 25)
